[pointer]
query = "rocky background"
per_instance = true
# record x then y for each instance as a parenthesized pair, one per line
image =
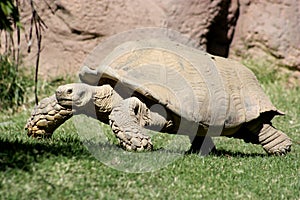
(258, 29)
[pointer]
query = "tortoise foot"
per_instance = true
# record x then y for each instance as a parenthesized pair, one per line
(133, 139)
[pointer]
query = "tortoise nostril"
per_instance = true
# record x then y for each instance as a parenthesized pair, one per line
(58, 92)
(69, 91)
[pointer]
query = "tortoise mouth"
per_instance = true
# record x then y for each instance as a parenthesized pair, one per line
(65, 102)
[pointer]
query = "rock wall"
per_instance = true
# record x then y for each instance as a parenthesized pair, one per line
(269, 29)
(210, 23)
(76, 27)
(257, 28)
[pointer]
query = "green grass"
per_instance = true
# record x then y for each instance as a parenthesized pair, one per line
(62, 167)
(14, 84)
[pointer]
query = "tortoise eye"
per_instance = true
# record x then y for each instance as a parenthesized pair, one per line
(69, 91)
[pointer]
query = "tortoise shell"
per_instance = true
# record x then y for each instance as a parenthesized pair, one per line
(187, 82)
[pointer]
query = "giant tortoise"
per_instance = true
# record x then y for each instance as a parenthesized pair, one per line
(169, 87)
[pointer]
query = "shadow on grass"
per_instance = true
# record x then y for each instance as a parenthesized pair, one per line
(226, 153)
(20, 155)
(198, 147)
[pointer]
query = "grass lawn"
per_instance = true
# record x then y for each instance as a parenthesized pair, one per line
(63, 168)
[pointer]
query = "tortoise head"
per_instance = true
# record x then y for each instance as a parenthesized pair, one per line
(74, 95)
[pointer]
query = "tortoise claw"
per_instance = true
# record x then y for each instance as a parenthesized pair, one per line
(281, 151)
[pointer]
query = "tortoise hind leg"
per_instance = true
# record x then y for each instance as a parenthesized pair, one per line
(273, 141)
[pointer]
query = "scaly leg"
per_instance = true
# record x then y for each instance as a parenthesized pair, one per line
(127, 121)
(273, 141)
(47, 116)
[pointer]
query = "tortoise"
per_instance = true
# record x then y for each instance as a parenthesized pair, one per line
(169, 87)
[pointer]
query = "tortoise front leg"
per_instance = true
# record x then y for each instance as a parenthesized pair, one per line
(127, 121)
(47, 116)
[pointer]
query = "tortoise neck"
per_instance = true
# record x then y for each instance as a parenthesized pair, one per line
(105, 98)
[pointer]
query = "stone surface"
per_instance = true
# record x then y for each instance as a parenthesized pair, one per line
(210, 23)
(76, 27)
(269, 29)
(263, 27)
